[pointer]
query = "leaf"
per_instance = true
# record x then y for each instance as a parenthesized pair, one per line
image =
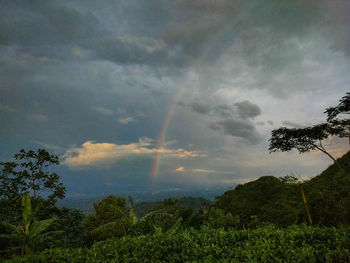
(104, 227)
(11, 227)
(38, 226)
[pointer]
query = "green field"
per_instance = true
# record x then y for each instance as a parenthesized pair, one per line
(264, 244)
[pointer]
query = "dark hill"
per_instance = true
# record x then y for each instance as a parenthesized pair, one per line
(329, 194)
(279, 200)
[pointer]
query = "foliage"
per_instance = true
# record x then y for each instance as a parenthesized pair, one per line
(217, 218)
(270, 199)
(194, 203)
(335, 116)
(310, 138)
(264, 244)
(279, 200)
(27, 234)
(68, 228)
(342, 108)
(111, 219)
(329, 194)
(28, 173)
(302, 139)
(164, 216)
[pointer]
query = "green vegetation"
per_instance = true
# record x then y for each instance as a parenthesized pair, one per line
(194, 203)
(266, 244)
(26, 235)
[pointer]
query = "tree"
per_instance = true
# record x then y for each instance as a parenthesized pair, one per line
(268, 199)
(302, 139)
(165, 216)
(28, 172)
(27, 234)
(111, 219)
(69, 226)
(335, 116)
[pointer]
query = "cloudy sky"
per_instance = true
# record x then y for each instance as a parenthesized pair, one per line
(158, 94)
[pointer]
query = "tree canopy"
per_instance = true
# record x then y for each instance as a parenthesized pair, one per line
(310, 138)
(29, 172)
(336, 116)
(302, 139)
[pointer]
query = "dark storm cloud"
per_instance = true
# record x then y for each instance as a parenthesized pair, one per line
(200, 107)
(237, 128)
(52, 29)
(33, 23)
(223, 110)
(128, 49)
(246, 109)
(168, 32)
(75, 71)
(231, 120)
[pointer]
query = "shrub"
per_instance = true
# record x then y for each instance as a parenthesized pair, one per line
(264, 244)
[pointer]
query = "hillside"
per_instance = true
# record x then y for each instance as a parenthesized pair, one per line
(279, 200)
(329, 194)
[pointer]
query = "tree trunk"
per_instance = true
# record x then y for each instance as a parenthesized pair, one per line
(328, 154)
(306, 206)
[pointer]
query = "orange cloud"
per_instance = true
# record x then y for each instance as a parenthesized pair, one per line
(91, 153)
(180, 169)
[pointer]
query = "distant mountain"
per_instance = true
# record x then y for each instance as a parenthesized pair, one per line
(148, 198)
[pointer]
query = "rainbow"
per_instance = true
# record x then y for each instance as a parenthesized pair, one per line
(162, 135)
(161, 138)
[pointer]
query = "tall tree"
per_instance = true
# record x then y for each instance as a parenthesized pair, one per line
(302, 139)
(111, 219)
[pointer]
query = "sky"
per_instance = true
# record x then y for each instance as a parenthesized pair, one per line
(169, 94)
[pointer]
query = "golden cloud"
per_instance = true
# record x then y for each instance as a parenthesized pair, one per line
(93, 154)
(180, 169)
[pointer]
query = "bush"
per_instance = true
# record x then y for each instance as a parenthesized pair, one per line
(265, 244)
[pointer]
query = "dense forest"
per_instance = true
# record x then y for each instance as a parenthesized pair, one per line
(271, 219)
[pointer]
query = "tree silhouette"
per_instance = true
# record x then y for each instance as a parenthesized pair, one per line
(28, 172)
(335, 116)
(302, 139)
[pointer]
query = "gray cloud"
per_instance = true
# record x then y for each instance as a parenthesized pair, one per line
(173, 32)
(59, 59)
(231, 120)
(222, 111)
(246, 109)
(200, 107)
(237, 128)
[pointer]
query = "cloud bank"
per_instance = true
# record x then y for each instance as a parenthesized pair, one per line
(95, 154)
